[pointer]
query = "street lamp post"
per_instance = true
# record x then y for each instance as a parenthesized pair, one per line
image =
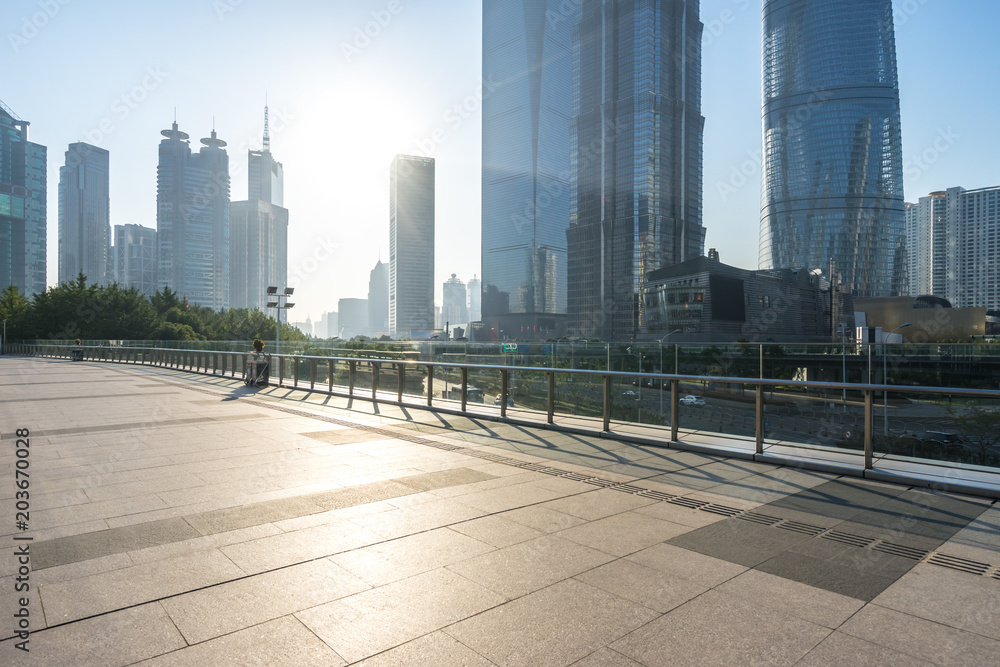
(3, 342)
(885, 378)
(272, 293)
(661, 363)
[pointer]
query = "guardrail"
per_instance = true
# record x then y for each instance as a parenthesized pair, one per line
(300, 372)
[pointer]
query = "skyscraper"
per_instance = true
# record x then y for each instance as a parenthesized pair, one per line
(378, 300)
(411, 247)
(134, 258)
(637, 158)
(833, 169)
(22, 206)
(192, 219)
(453, 303)
(84, 222)
(258, 231)
(475, 287)
(528, 62)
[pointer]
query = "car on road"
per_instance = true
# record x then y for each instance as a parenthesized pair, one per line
(630, 394)
(691, 399)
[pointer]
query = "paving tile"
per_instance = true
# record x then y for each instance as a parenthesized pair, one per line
(120, 638)
(497, 530)
(682, 563)
(926, 640)
(277, 551)
(533, 630)
(390, 561)
(99, 593)
(605, 657)
(739, 541)
(598, 504)
(643, 585)
(843, 649)
(427, 516)
(281, 642)
(255, 514)
(208, 542)
(791, 598)
(509, 497)
(374, 621)
(957, 599)
(218, 610)
(857, 573)
(85, 546)
(543, 519)
(692, 635)
(436, 649)
(624, 533)
(529, 566)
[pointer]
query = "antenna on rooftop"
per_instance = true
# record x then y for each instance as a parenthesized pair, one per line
(267, 134)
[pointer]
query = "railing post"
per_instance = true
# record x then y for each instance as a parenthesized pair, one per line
(759, 414)
(401, 370)
(352, 368)
(504, 378)
(551, 399)
(607, 403)
(675, 409)
(465, 388)
(374, 366)
(312, 374)
(281, 371)
(329, 376)
(430, 386)
(869, 400)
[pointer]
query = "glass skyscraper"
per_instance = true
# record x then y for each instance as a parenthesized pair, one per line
(637, 158)
(527, 107)
(22, 206)
(192, 219)
(84, 222)
(411, 247)
(833, 174)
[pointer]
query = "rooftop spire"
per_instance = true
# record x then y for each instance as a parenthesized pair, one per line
(267, 135)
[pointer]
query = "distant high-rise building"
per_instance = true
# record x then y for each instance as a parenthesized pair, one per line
(528, 59)
(134, 258)
(637, 158)
(833, 165)
(22, 206)
(953, 246)
(475, 299)
(454, 309)
(352, 317)
(84, 222)
(192, 219)
(328, 326)
(378, 300)
(411, 246)
(258, 232)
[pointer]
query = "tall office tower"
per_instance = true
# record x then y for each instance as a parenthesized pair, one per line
(378, 300)
(475, 299)
(453, 303)
(352, 318)
(528, 64)
(833, 165)
(22, 206)
(84, 222)
(192, 219)
(258, 231)
(411, 247)
(637, 158)
(134, 258)
(953, 246)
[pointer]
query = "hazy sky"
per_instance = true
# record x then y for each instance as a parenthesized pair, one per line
(343, 103)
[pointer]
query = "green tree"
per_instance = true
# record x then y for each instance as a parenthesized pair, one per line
(980, 428)
(173, 331)
(165, 299)
(66, 312)
(126, 314)
(15, 309)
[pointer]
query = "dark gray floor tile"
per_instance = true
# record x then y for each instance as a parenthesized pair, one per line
(738, 541)
(831, 575)
(77, 548)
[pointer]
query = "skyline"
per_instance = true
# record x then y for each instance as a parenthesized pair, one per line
(341, 109)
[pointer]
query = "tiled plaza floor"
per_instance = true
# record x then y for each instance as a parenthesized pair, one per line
(179, 519)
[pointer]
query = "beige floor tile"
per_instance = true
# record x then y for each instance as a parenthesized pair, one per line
(624, 533)
(685, 564)
(598, 504)
(277, 551)
(531, 631)
(436, 649)
(362, 625)
(605, 657)
(543, 519)
(642, 585)
(841, 649)
(791, 598)
(496, 530)
(283, 642)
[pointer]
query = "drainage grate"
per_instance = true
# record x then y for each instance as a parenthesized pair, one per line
(627, 488)
(597, 481)
(804, 528)
(657, 495)
(721, 509)
(847, 538)
(577, 477)
(762, 519)
(550, 471)
(996, 575)
(688, 502)
(961, 564)
(900, 550)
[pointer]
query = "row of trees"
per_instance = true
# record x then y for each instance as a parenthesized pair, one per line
(92, 312)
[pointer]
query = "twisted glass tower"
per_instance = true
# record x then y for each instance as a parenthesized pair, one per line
(833, 174)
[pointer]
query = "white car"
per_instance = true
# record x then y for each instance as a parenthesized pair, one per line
(629, 394)
(691, 399)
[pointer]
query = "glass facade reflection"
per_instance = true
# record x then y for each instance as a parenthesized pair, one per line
(832, 184)
(22, 206)
(637, 158)
(84, 222)
(411, 248)
(528, 75)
